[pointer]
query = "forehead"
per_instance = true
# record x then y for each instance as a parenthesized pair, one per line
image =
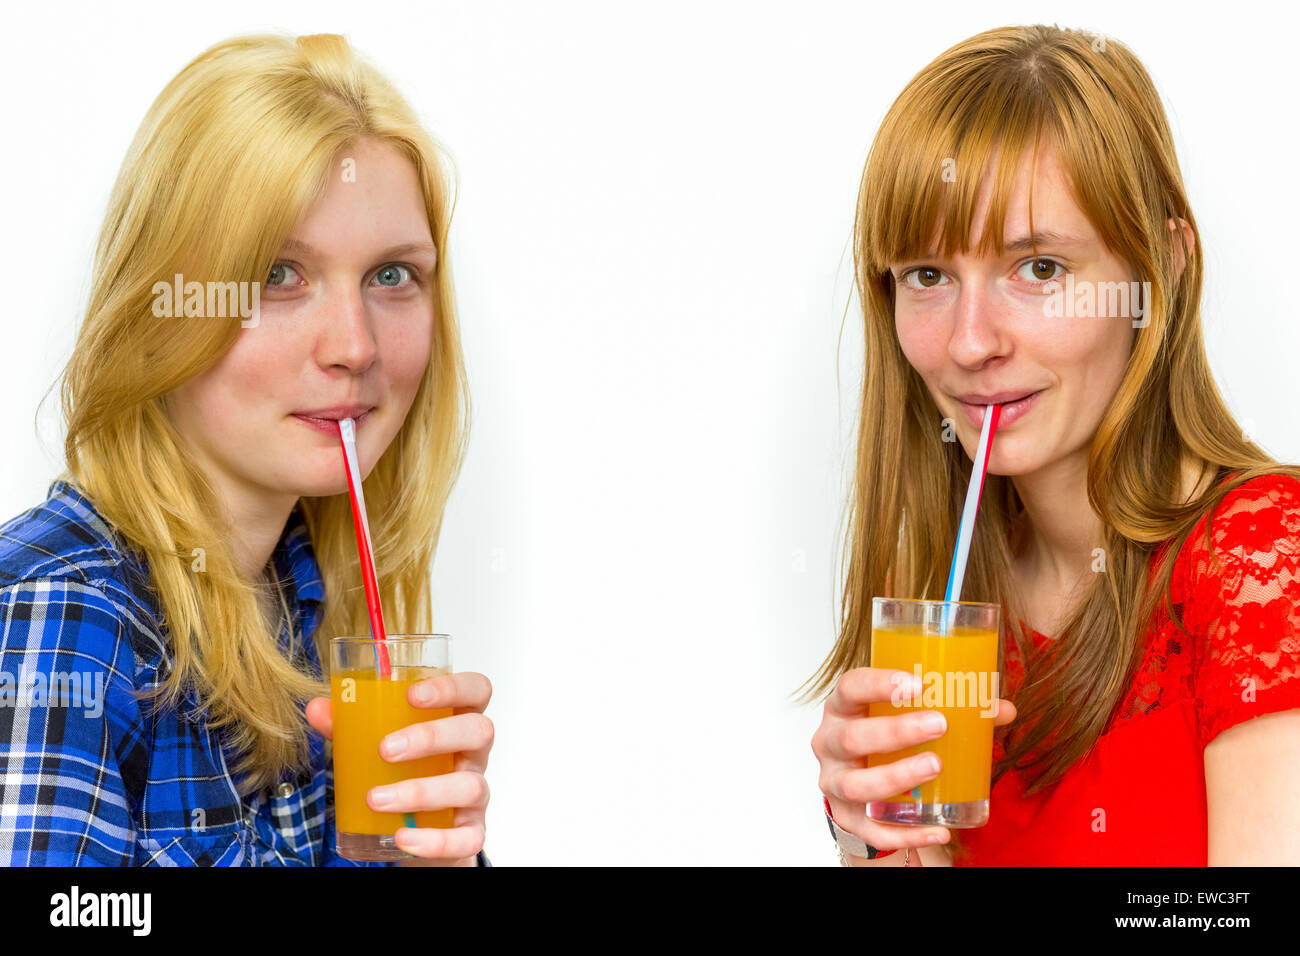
(372, 196)
(1039, 186)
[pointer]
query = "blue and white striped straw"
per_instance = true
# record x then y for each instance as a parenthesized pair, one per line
(973, 489)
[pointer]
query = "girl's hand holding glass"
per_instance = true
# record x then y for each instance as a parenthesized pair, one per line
(468, 733)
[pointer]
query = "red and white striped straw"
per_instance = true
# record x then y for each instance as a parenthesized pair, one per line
(348, 439)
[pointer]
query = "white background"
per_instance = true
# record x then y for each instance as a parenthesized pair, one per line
(651, 250)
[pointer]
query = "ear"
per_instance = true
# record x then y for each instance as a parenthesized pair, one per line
(1188, 237)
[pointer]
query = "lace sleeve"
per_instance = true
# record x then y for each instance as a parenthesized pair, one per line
(1245, 607)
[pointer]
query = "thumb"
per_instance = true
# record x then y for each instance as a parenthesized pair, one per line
(1006, 713)
(320, 714)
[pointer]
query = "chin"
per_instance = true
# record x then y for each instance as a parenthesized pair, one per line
(1008, 466)
(328, 482)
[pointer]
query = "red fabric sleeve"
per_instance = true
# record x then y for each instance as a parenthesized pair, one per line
(1244, 610)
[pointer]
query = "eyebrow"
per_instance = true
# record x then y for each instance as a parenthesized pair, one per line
(1044, 237)
(402, 249)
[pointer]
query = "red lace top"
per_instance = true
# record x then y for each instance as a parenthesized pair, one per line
(1138, 797)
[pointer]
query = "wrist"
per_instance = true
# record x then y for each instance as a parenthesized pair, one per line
(850, 844)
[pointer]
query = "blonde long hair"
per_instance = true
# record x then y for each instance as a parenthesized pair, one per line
(229, 157)
(982, 104)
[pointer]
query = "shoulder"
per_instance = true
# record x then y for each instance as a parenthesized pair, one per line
(1238, 574)
(63, 536)
(65, 576)
(1263, 500)
(1258, 517)
(1242, 594)
(1254, 527)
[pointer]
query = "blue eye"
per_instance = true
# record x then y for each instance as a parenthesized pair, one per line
(389, 271)
(281, 266)
(390, 276)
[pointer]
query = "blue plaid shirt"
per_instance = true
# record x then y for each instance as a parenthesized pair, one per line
(91, 776)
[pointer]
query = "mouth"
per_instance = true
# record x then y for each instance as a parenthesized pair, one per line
(326, 420)
(1013, 408)
(999, 398)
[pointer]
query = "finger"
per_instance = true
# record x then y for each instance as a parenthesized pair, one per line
(889, 836)
(320, 715)
(456, 843)
(1006, 713)
(884, 836)
(866, 685)
(469, 731)
(455, 789)
(466, 692)
(471, 761)
(862, 786)
(862, 736)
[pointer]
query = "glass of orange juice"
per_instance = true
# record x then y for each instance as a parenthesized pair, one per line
(367, 708)
(953, 647)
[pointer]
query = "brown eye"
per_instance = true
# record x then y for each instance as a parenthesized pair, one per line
(929, 278)
(1045, 269)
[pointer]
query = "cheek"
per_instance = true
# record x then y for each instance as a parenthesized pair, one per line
(254, 357)
(1096, 348)
(405, 350)
(923, 349)
(241, 382)
(1113, 357)
(208, 412)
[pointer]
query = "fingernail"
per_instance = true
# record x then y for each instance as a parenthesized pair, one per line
(394, 744)
(928, 764)
(934, 838)
(933, 723)
(423, 694)
(381, 796)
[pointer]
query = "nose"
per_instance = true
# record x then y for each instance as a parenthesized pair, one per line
(346, 338)
(979, 330)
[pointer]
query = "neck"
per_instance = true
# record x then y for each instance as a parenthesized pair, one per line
(1062, 529)
(256, 523)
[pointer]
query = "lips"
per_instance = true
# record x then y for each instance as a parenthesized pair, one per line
(326, 419)
(1012, 411)
(335, 412)
(997, 398)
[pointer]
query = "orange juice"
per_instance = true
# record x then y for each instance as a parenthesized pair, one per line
(367, 709)
(959, 675)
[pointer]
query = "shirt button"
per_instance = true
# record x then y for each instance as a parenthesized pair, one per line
(285, 789)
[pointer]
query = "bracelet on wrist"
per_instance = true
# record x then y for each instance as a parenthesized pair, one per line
(848, 842)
